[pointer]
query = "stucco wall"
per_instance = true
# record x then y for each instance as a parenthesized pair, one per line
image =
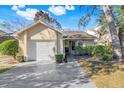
(21, 43)
(60, 43)
(39, 32)
(86, 42)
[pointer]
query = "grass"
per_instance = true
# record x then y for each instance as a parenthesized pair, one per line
(113, 80)
(104, 77)
(5, 68)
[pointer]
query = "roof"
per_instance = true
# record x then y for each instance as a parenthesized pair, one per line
(77, 35)
(34, 24)
(3, 38)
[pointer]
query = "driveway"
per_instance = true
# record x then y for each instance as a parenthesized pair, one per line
(46, 75)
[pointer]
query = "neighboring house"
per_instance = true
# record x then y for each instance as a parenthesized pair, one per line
(104, 39)
(75, 38)
(41, 42)
(5, 36)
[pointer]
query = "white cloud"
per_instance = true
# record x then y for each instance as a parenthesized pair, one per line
(28, 14)
(14, 7)
(60, 10)
(17, 7)
(69, 7)
(57, 10)
(21, 6)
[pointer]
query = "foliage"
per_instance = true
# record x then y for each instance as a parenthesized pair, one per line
(98, 51)
(45, 17)
(102, 52)
(66, 43)
(106, 14)
(9, 25)
(59, 58)
(85, 50)
(121, 16)
(85, 19)
(20, 58)
(9, 47)
(118, 16)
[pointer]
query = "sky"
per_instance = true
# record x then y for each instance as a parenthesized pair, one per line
(67, 16)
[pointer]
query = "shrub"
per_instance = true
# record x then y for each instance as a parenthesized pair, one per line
(79, 50)
(20, 58)
(102, 52)
(85, 50)
(98, 51)
(9, 47)
(59, 58)
(89, 49)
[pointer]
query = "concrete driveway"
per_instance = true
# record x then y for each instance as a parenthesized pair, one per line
(46, 75)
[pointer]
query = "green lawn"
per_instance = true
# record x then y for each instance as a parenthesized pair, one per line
(106, 77)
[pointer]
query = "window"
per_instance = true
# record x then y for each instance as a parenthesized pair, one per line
(80, 43)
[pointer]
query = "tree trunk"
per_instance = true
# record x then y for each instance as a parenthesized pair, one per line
(113, 31)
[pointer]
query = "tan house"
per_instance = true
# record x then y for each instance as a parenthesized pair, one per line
(72, 39)
(40, 42)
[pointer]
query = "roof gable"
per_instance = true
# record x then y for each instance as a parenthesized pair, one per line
(34, 24)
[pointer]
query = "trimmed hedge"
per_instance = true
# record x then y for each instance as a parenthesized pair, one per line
(9, 47)
(59, 58)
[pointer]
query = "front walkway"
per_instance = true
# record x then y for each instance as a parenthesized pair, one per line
(46, 75)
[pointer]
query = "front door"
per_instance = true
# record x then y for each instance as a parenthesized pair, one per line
(72, 47)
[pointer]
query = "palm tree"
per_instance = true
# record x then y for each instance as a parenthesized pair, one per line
(113, 31)
(107, 12)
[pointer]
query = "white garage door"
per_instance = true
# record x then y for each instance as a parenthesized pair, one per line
(42, 50)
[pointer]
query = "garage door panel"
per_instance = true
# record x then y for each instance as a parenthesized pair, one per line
(32, 51)
(44, 50)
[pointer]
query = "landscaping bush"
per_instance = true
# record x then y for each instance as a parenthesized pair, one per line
(20, 58)
(9, 47)
(97, 52)
(85, 50)
(102, 52)
(59, 58)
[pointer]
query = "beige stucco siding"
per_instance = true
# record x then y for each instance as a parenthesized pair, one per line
(21, 43)
(60, 43)
(39, 32)
(86, 42)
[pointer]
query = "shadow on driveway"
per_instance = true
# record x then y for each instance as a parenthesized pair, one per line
(46, 75)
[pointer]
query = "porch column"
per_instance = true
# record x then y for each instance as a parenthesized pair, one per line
(26, 45)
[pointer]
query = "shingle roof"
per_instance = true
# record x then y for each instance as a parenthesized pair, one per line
(77, 34)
